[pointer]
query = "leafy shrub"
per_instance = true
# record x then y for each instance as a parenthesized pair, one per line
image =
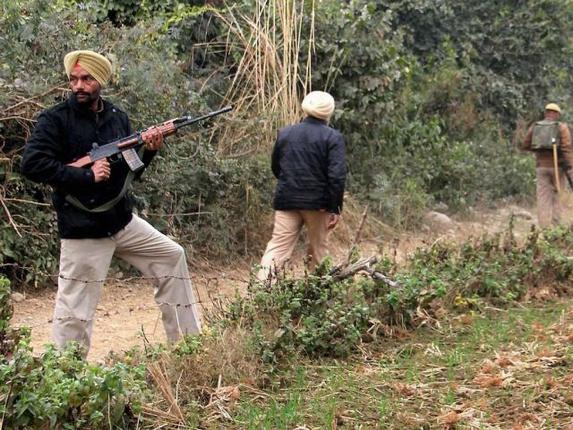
(319, 315)
(61, 390)
(208, 202)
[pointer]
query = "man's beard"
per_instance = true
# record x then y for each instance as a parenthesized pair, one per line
(85, 98)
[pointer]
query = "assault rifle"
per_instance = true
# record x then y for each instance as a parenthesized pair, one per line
(127, 145)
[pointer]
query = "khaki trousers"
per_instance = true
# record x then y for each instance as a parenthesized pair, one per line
(84, 264)
(549, 206)
(287, 227)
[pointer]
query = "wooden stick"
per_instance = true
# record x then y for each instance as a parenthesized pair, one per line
(10, 219)
(556, 169)
(361, 264)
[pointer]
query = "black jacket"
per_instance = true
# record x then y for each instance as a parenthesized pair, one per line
(64, 133)
(309, 162)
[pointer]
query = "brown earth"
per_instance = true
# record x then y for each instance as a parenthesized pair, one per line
(127, 313)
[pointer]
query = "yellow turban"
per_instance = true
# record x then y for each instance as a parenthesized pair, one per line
(95, 64)
(318, 104)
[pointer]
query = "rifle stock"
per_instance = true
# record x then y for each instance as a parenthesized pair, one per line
(167, 128)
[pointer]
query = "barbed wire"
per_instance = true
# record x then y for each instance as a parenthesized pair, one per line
(211, 302)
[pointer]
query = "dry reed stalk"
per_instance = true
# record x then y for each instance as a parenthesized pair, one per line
(159, 377)
(270, 81)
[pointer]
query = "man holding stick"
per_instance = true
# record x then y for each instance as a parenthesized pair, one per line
(550, 140)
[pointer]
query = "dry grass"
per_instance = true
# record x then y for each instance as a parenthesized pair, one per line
(213, 379)
(269, 79)
(490, 374)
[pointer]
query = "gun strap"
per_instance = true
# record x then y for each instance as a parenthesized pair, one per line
(109, 204)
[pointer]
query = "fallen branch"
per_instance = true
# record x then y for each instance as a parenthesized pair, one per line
(381, 277)
(365, 265)
(349, 270)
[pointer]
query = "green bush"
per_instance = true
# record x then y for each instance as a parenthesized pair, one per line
(428, 98)
(207, 202)
(319, 315)
(61, 390)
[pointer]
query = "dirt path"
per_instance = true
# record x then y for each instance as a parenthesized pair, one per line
(127, 311)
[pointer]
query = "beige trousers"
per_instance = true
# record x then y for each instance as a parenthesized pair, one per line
(549, 206)
(84, 264)
(287, 227)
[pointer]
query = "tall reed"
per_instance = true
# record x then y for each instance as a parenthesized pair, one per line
(271, 75)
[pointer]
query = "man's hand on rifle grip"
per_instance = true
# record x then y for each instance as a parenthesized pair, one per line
(152, 138)
(102, 170)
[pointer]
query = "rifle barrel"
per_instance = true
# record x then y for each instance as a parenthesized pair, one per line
(188, 120)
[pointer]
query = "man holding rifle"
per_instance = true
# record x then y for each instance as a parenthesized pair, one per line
(550, 140)
(94, 210)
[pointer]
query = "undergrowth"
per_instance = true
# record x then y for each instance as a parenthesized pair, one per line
(319, 315)
(258, 335)
(59, 389)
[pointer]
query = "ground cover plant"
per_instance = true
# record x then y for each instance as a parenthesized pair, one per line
(59, 389)
(442, 329)
(432, 98)
(317, 352)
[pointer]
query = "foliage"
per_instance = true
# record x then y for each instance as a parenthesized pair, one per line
(8, 337)
(502, 353)
(61, 390)
(205, 194)
(429, 97)
(319, 315)
(503, 56)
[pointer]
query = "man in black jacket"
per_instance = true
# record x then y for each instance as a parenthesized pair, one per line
(308, 160)
(94, 210)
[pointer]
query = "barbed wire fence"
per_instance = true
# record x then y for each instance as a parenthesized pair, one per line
(206, 289)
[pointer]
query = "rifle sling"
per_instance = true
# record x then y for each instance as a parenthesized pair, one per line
(109, 204)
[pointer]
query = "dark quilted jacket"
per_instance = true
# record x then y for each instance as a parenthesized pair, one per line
(64, 133)
(308, 160)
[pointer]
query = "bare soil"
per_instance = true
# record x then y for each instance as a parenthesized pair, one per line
(127, 312)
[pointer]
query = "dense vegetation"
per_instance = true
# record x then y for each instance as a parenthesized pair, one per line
(431, 97)
(324, 317)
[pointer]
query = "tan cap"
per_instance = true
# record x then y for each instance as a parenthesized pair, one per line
(553, 106)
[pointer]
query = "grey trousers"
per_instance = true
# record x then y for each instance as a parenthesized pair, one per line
(84, 264)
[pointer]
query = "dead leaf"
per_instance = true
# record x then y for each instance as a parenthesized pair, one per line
(489, 367)
(487, 381)
(449, 418)
(503, 361)
(404, 389)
